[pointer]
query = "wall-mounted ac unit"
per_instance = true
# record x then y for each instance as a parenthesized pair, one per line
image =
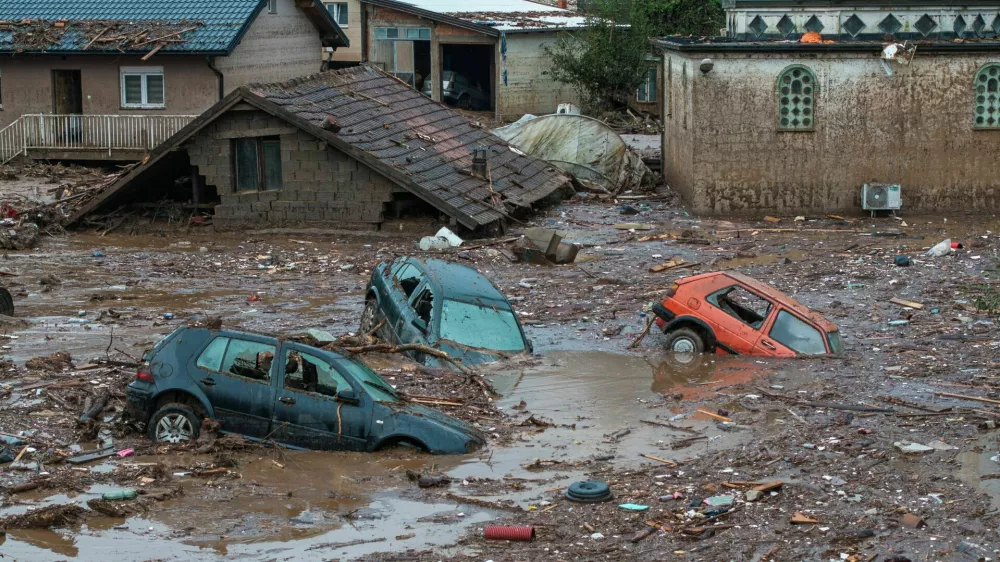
(881, 197)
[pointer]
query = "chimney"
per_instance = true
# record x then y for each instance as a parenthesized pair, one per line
(479, 161)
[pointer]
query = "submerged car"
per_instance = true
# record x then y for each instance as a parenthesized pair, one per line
(309, 398)
(725, 312)
(457, 90)
(443, 305)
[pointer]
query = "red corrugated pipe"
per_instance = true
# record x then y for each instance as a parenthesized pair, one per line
(497, 532)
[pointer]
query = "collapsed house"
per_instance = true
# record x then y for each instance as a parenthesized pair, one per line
(340, 148)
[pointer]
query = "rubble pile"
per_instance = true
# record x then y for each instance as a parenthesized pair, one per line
(117, 35)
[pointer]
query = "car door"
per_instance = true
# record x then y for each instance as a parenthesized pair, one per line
(398, 290)
(789, 335)
(416, 320)
(235, 373)
(307, 412)
(738, 317)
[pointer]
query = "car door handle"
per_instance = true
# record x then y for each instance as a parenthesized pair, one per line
(768, 344)
(286, 400)
(208, 381)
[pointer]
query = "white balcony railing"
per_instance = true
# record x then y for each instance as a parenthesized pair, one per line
(108, 133)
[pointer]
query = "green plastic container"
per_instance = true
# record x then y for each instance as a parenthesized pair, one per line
(127, 494)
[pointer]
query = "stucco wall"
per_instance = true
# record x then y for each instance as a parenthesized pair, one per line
(913, 128)
(527, 89)
(191, 87)
(319, 184)
(677, 139)
(277, 47)
(352, 31)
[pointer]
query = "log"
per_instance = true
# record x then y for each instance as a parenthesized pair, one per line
(965, 397)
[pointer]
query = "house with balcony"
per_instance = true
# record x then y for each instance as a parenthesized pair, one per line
(801, 103)
(111, 79)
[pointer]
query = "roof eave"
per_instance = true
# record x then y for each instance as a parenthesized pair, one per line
(246, 27)
(65, 52)
(333, 35)
(435, 16)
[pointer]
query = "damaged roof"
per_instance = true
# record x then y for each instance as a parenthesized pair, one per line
(209, 27)
(507, 16)
(421, 145)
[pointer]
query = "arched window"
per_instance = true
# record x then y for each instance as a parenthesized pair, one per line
(796, 99)
(986, 114)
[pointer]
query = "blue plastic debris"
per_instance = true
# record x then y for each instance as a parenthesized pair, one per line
(634, 507)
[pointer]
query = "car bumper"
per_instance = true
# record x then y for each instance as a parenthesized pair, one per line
(138, 403)
(663, 315)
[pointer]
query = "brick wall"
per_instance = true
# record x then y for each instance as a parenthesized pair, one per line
(320, 184)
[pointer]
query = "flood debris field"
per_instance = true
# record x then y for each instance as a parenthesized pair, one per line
(884, 453)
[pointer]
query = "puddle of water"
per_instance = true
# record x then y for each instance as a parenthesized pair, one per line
(974, 465)
(793, 255)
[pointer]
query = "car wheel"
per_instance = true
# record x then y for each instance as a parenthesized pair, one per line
(6, 303)
(465, 102)
(174, 423)
(369, 316)
(685, 340)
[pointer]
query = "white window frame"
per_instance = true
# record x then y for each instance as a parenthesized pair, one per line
(334, 9)
(144, 72)
(272, 6)
(649, 80)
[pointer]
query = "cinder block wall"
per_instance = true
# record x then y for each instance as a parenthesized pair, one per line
(320, 184)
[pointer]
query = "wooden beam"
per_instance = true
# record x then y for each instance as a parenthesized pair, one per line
(174, 34)
(150, 54)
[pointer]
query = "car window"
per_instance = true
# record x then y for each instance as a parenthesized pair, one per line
(375, 385)
(423, 304)
(249, 359)
(480, 326)
(836, 342)
(305, 372)
(742, 305)
(408, 277)
(795, 334)
(211, 358)
(460, 80)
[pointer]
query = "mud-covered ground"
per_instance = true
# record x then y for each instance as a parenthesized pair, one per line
(584, 407)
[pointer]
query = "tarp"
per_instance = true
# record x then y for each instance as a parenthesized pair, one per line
(581, 145)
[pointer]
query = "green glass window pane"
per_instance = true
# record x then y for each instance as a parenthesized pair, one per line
(272, 164)
(154, 89)
(247, 175)
(425, 33)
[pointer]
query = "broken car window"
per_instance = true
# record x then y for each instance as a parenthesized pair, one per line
(480, 326)
(304, 372)
(423, 305)
(742, 305)
(408, 278)
(249, 359)
(211, 358)
(796, 335)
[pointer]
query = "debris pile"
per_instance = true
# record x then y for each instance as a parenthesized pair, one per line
(33, 35)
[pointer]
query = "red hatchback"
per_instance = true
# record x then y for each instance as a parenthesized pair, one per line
(725, 312)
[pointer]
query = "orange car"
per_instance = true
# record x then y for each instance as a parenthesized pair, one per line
(725, 312)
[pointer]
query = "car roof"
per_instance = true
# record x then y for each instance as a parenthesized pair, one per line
(460, 282)
(774, 294)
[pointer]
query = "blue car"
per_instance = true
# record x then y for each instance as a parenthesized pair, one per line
(447, 306)
(309, 398)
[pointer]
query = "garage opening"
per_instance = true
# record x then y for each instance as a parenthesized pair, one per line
(404, 52)
(468, 76)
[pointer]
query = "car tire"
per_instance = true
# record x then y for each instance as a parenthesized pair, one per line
(465, 102)
(6, 302)
(685, 340)
(179, 424)
(369, 316)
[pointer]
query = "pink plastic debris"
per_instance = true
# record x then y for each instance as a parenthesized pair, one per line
(126, 453)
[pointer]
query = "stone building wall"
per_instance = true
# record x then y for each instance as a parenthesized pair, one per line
(319, 184)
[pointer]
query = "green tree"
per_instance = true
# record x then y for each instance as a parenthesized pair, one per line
(606, 61)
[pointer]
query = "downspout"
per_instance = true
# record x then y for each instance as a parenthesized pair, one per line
(218, 75)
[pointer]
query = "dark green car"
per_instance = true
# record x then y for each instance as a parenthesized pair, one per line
(443, 305)
(294, 394)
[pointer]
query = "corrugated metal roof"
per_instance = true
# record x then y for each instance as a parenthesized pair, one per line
(218, 23)
(425, 140)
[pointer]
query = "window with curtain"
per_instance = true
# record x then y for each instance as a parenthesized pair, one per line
(143, 87)
(257, 163)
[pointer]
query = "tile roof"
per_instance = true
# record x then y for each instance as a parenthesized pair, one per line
(421, 145)
(424, 140)
(506, 16)
(218, 23)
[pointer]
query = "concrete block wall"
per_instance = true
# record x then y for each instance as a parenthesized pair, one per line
(320, 184)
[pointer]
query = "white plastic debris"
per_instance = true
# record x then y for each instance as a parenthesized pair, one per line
(443, 240)
(912, 448)
(942, 248)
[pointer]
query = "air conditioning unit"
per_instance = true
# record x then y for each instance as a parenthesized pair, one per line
(881, 197)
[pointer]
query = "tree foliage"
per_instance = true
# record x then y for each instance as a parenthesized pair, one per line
(607, 60)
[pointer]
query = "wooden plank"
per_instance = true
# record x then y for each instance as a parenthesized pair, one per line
(150, 54)
(906, 303)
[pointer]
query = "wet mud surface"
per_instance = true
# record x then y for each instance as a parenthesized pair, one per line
(585, 406)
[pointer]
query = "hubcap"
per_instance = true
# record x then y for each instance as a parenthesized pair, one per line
(683, 345)
(174, 428)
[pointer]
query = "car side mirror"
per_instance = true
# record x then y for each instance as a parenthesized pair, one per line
(348, 396)
(419, 324)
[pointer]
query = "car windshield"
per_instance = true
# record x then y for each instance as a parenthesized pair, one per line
(448, 75)
(794, 333)
(836, 342)
(376, 386)
(480, 326)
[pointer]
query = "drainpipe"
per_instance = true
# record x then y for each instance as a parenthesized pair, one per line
(222, 87)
